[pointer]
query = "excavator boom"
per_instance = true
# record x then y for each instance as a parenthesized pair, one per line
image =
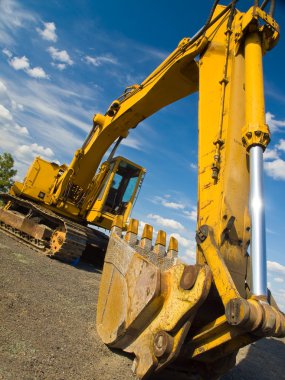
(196, 317)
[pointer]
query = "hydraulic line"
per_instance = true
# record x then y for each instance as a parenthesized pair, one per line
(272, 6)
(219, 142)
(115, 148)
(263, 5)
(207, 22)
(207, 26)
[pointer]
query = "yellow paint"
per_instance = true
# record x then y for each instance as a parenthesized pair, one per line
(225, 66)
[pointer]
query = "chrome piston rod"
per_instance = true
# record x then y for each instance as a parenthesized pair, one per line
(258, 240)
(258, 134)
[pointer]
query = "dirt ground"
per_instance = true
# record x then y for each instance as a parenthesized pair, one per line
(48, 329)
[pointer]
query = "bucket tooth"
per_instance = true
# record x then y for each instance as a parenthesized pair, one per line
(172, 251)
(160, 243)
(146, 240)
(117, 226)
(156, 254)
(131, 236)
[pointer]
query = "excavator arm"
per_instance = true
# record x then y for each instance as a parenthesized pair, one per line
(174, 79)
(196, 317)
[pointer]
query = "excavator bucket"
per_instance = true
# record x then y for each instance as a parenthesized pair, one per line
(147, 298)
(152, 305)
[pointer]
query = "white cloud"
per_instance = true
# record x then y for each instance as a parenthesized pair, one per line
(281, 145)
(16, 106)
(59, 66)
(173, 205)
(7, 53)
(270, 154)
(48, 33)
(92, 60)
(275, 267)
(193, 166)
(22, 130)
(19, 63)
(274, 124)
(278, 279)
(189, 256)
(166, 223)
(37, 72)
(192, 215)
(167, 203)
(60, 55)
(27, 152)
(3, 88)
(12, 18)
(132, 142)
(148, 51)
(5, 113)
(58, 116)
(275, 169)
(16, 140)
(53, 103)
(22, 63)
(98, 61)
(278, 292)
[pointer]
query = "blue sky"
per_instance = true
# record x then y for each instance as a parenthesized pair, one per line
(63, 61)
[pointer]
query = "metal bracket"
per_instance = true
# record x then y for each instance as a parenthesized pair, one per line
(270, 29)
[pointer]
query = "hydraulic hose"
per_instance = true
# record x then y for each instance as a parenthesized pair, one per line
(272, 6)
(212, 12)
(263, 5)
(231, 17)
(206, 26)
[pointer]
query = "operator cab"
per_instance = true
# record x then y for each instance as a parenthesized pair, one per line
(118, 192)
(122, 188)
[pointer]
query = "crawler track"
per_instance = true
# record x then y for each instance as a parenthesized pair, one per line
(45, 231)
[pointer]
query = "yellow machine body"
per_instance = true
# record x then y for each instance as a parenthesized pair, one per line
(113, 193)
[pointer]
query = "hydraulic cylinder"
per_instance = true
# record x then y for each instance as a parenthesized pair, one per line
(257, 133)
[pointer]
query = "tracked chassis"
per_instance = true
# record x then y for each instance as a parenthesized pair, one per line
(47, 232)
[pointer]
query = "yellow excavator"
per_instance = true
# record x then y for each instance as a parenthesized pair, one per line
(194, 318)
(191, 319)
(54, 206)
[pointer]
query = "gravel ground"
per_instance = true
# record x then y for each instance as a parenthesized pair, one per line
(48, 325)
